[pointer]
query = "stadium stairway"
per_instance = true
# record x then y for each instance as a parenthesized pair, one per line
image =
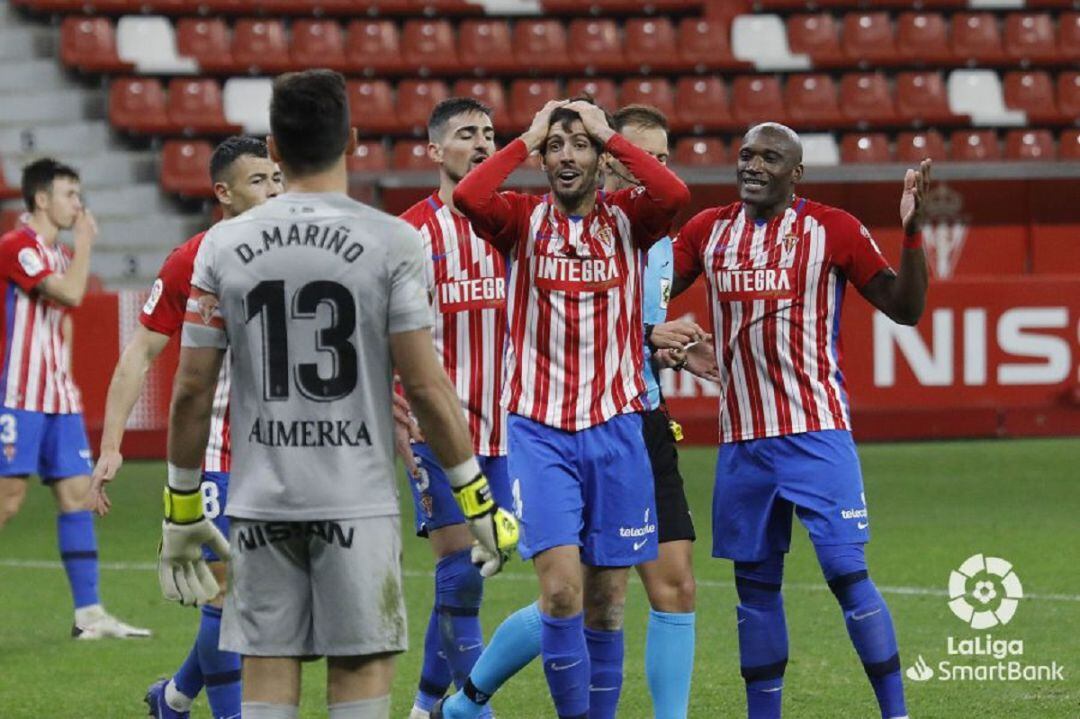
(48, 112)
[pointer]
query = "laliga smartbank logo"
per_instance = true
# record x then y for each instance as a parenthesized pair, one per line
(984, 593)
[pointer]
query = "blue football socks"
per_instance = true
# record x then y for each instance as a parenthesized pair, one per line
(669, 662)
(435, 675)
(763, 640)
(566, 664)
(220, 669)
(188, 679)
(78, 552)
(606, 651)
(459, 589)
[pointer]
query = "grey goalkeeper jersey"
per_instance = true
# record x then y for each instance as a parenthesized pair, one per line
(305, 290)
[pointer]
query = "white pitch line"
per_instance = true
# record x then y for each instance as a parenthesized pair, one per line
(524, 577)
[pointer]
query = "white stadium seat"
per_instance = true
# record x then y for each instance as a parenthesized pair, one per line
(247, 103)
(978, 93)
(820, 148)
(762, 40)
(150, 43)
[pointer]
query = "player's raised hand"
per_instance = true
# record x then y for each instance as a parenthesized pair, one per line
(677, 334)
(913, 199)
(105, 471)
(536, 134)
(593, 118)
(85, 229)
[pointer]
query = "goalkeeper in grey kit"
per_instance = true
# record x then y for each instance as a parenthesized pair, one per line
(320, 298)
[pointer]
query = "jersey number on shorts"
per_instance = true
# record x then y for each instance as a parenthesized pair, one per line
(8, 433)
(267, 301)
(211, 500)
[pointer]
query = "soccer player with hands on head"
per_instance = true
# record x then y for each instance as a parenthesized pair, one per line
(776, 266)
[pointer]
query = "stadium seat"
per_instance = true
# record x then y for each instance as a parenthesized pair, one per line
(976, 38)
(655, 91)
(705, 44)
(1068, 94)
(1069, 36)
(89, 45)
(415, 99)
(816, 35)
(149, 43)
(411, 155)
(206, 40)
(371, 106)
(429, 46)
(865, 98)
(185, 168)
(1030, 37)
(761, 41)
(195, 107)
(651, 45)
(865, 147)
(978, 93)
(486, 46)
(541, 46)
(820, 148)
(811, 102)
(373, 48)
(602, 90)
(7, 191)
(260, 46)
(868, 38)
(489, 92)
(317, 43)
(595, 45)
(137, 105)
(369, 157)
(1031, 145)
(913, 147)
(974, 146)
(247, 103)
(757, 98)
(526, 99)
(1069, 148)
(921, 100)
(923, 38)
(699, 151)
(1033, 92)
(701, 105)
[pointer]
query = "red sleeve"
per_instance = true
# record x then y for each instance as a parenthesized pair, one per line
(498, 217)
(688, 243)
(653, 205)
(164, 309)
(21, 261)
(852, 249)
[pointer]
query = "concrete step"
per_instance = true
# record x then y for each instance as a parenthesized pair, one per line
(51, 107)
(130, 201)
(151, 231)
(63, 139)
(107, 169)
(35, 74)
(133, 268)
(22, 42)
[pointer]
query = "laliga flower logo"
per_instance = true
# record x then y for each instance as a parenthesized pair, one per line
(993, 577)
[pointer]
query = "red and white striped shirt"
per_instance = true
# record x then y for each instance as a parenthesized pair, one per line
(775, 293)
(575, 353)
(467, 280)
(35, 375)
(164, 313)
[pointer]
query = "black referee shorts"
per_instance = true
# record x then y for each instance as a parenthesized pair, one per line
(672, 511)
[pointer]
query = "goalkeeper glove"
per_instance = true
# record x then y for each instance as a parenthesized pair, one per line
(495, 529)
(182, 571)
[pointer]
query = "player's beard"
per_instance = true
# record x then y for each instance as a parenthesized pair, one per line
(575, 197)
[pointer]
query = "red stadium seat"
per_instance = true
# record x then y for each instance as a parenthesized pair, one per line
(195, 107)
(1030, 37)
(429, 46)
(541, 45)
(89, 44)
(288, 7)
(369, 157)
(866, 99)
(974, 146)
(489, 92)
(1070, 145)
(868, 38)
(702, 104)
(655, 91)
(261, 46)
(699, 151)
(865, 147)
(415, 100)
(757, 98)
(1032, 92)
(185, 168)
(526, 99)
(921, 99)
(317, 43)
(914, 147)
(595, 45)
(811, 101)
(705, 44)
(1069, 36)
(602, 91)
(651, 45)
(1068, 94)
(371, 106)
(976, 38)
(815, 35)
(411, 155)
(137, 105)
(923, 37)
(230, 7)
(1031, 145)
(207, 41)
(373, 47)
(486, 46)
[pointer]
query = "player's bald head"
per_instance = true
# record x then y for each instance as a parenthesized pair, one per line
(781, 137)
(768, 167)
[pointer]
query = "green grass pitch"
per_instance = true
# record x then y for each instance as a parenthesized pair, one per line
(932, 505)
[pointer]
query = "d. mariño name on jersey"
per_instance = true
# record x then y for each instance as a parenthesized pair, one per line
(324, 237)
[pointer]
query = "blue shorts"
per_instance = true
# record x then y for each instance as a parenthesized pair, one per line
(215, 492)
(591, 489)
(52, 446)
(759, 481)
(433, 499)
